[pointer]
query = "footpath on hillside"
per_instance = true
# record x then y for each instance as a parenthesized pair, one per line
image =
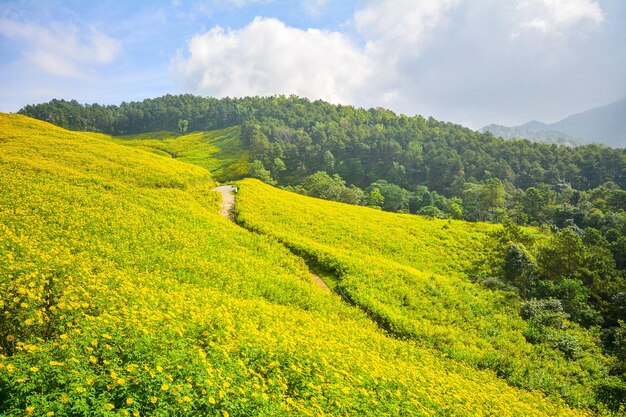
(227, 209)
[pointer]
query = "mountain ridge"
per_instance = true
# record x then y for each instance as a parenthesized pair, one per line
(603, 124)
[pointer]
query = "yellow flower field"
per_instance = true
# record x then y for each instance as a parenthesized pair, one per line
(123, 292)
(408, 273)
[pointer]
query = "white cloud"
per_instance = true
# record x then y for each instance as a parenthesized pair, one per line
(62, 50)
(267, 57)
(557, 16)
(401, 22)
(314, 7)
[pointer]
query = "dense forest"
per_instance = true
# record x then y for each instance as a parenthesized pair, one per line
(416, 165)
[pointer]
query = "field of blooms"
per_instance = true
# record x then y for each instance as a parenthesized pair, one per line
(219, 151)
(123, 292)
(408, 273)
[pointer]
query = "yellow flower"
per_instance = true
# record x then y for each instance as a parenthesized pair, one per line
(34, 369)
(109, 406)
(30, 409)
(50, 413)
(225, 413)
(129, 401)
(211, 400)
(136, 413)
(10, 338)
(164, 387)
(93, 360)
(153, 399)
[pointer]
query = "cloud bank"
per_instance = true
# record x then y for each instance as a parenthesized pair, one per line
(268, 57)
(414, 56)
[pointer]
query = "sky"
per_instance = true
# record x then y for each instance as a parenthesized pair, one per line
(472, 62)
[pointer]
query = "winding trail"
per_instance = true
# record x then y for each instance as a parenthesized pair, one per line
(227, 209)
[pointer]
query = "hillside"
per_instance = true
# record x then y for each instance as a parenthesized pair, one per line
(123, 291)
(409, 274)
(604, 124)
(219, 151)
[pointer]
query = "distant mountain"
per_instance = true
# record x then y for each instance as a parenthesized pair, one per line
(605, 124)
(535, 131)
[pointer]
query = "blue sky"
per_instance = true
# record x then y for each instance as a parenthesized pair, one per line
(472, 62)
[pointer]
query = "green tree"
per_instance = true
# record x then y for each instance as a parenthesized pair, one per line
(278, 167)
(533, 205)
(563, 257)
(431, 211)
(183, 124)
(329, 162)
(375, 198)
(493, 198)
(257, 170)
(455, 210)
(322, 185)
(519, 268)
(395, 197)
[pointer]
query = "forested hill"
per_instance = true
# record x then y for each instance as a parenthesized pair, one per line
(360, 145)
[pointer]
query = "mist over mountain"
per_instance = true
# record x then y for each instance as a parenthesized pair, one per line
(604, 124)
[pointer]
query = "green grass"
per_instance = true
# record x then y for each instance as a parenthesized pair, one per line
(220, 151)
(124, 292)
(409, 274)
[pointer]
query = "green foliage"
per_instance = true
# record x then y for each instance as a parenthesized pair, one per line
(431, 211)
(519, 267)
(322, 185)
(563, 256)
(257, 170)
(395, 198)
(375, 198)
(278, 167)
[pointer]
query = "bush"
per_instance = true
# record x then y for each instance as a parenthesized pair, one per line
(548, 312)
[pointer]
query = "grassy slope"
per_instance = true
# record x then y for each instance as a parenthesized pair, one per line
(219, 151)
(407, 272)
(122, 291)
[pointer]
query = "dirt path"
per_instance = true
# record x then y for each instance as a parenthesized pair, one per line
(228, 200)
(319, 281)
(227, 208)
